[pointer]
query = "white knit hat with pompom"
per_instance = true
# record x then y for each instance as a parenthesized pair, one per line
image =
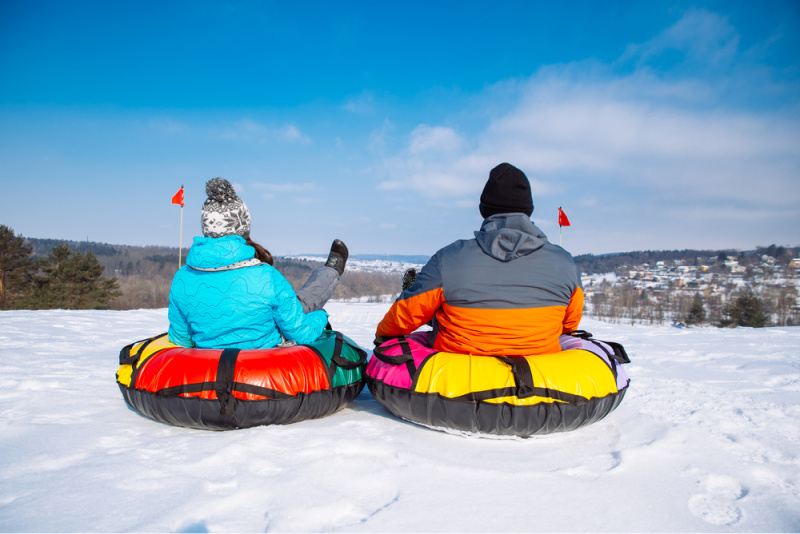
(224, 213)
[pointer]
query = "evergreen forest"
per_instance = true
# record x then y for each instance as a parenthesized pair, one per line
(49, 273)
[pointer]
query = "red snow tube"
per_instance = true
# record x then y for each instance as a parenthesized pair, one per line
(224, 389)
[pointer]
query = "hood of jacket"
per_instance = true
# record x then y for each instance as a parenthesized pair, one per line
(507, 236)
(209, 253)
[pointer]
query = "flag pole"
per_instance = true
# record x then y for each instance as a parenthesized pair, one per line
(180, 242)
(559, 226)
(562, 222)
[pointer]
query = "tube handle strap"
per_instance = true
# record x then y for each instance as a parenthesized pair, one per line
(547, 393)
(224, 382)
(125, 357)
(583, 334)
(184, 389)
(342, 362)
(523, 377)
(619, 353)
(405, 358)
(379, 351)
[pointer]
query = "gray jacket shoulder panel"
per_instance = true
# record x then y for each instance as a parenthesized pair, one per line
(510, 264)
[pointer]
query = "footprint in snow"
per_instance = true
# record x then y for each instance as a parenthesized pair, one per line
(595, 467)
(716, 502)
(335, 515)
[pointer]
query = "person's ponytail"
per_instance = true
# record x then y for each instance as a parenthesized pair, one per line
(263, 255)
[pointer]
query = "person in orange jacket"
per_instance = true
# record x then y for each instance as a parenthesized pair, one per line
(508, 291)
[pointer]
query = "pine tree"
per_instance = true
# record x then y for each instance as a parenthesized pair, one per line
(747, 310)
(16, 268)
(73, 281)
(697, 313)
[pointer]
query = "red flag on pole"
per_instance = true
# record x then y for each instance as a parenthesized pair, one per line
(177, 198)
(562, 218)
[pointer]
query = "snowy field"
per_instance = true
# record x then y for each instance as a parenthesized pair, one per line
(707, 440)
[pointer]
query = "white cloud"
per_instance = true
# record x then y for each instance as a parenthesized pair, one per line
(377, 138)
(362, 104)
(701, 36)
(594, 132)
(307, 200)
(169, 126)
(245, 130)
(287, 187)
(587, 129)
(293, 133)
(426, 138)
(433, 183)
(252, 131)
(247, 125)
(284, 190)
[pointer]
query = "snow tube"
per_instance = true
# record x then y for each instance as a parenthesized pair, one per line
(515, 396)
(218, 389)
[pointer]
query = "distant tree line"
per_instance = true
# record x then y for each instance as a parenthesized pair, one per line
(353, 285)
(39, 273)
(41, 247)
(621, 303)
(145, 283)
(133, 277)
(64, 278)
(609, 263)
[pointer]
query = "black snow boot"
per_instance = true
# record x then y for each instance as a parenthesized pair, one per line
(338, 256)
(409, 277)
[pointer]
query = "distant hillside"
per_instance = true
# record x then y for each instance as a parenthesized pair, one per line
(418, 259)
(589, 263)
(145, 273)
(41, 247)
(399, 258)
(606, 263)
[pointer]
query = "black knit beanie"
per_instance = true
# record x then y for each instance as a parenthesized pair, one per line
(506, 191)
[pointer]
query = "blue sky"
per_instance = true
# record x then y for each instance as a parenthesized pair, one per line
(655, 125)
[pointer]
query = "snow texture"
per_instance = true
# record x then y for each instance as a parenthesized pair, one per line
(706, 440)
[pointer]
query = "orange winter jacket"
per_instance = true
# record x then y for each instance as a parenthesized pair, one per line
(507, 292)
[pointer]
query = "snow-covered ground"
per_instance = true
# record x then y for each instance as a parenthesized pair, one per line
(707, 439)
(355, 264)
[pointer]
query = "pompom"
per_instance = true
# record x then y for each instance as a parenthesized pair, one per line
(220, 190)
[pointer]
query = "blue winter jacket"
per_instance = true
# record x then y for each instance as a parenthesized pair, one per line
(224, 298)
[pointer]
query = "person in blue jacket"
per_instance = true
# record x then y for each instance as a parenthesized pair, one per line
(228, 295)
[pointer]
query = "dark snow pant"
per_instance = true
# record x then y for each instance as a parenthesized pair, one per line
(318, 288)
